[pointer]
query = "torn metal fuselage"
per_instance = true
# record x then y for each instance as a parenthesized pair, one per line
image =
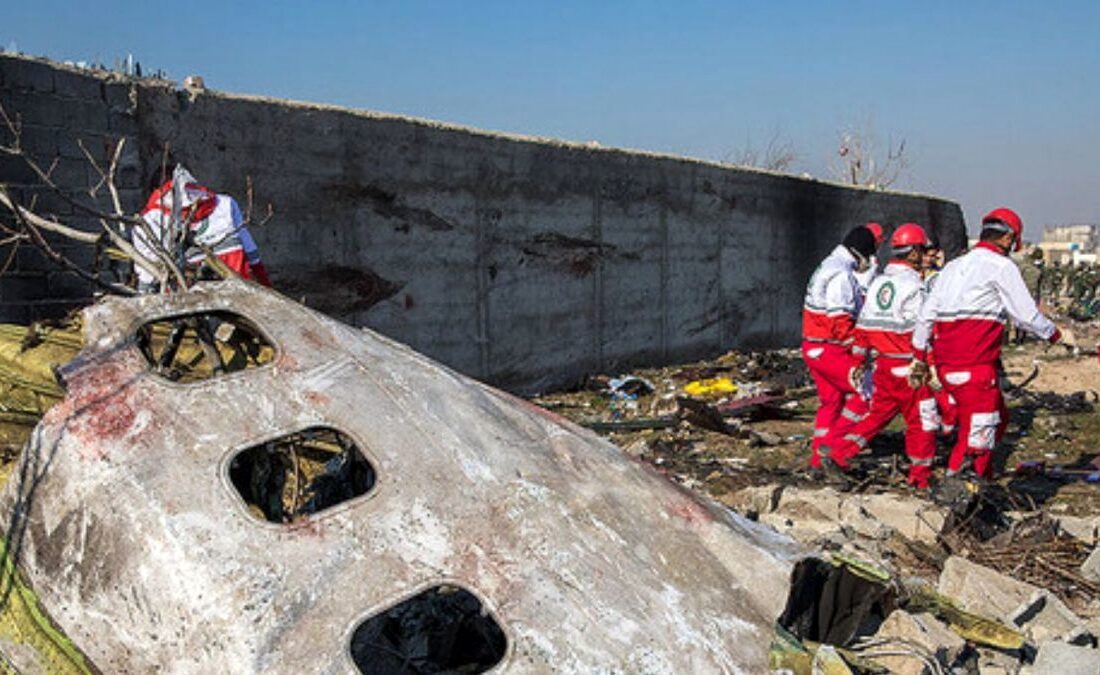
(125, 519)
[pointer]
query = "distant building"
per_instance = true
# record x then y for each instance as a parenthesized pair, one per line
(1070, 244)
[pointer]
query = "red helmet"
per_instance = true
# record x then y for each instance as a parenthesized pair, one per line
(876, 230)
(1005, 220)
(907, 236)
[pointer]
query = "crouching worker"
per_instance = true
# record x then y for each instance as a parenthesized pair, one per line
(833, 299)
(215, 223)
(884, 331)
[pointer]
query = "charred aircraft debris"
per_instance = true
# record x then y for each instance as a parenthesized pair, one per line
(325, 500)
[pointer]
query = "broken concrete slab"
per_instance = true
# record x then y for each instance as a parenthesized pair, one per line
(922, 631)
(806, 514)
(1090, 569)
(982, 590)
(1059, 658)
(128, 519)
(764, 438)
(993, 662)
(1044, 617)
(756, 500)
(912, 518)
(1085, 529)
(809, 514)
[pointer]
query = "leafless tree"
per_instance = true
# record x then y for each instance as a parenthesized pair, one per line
(863, 160)
(777, 155)
(28, 227)
(163, 257)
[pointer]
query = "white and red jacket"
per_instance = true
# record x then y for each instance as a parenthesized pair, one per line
(215, 221)
(833, 300)
(965, 315)
(889, 315)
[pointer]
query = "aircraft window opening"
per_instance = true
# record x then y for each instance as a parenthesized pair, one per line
(301, 474)
(444, 629)
(202, 345)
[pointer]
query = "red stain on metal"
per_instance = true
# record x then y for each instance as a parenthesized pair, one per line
(98, 407)
(310, 336)
(692, 511)
(317, 398)
(106, 419)
(307, 527)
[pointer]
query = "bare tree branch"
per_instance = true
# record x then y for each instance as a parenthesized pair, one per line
(161, 254)
(161, 267)
(777, 155)
(43, 223)
(40, 242)
(862, 163)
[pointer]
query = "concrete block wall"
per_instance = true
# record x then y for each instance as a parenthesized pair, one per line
(525, 262)
(58, 109)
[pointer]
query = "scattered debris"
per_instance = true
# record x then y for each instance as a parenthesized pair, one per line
(1059, 658)
(979, 589)
(714, 387)
(630, 386)
(1090, 569)
(910, 641)
(1044, 617)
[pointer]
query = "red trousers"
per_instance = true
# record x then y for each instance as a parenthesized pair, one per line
(893, 395)
(949, 411)
(238, 262)
(841, 406)
(983, 416)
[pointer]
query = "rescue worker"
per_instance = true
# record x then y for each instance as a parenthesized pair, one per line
(832, 303)
(963, 320)
(931, 266)
(867, 276)
(884, 331)
(215, 222)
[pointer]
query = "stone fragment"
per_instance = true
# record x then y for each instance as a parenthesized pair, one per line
(1085, 529)
(806, 514)
(1059, 658)
(912, 518)
(1090, 569)
(993, 662)
(923, 631)
(826, 501)
(764, 438)
(855, 516)
(1044, 617)
(982, 590)
(828, 662)
(755, 500)
(637, 448)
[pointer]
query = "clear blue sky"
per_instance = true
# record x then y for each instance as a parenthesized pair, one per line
(998, 101)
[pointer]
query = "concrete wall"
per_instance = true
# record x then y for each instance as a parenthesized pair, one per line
(55, 108)
(524, 262)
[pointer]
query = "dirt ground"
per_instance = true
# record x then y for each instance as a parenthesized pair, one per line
(1053, 421)
(720, 447)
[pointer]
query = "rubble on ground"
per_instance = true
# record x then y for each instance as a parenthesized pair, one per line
(923, 636)
(1016, 566)
(1059, 658)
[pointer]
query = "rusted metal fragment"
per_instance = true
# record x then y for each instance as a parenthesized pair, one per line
(125, 521)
